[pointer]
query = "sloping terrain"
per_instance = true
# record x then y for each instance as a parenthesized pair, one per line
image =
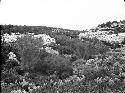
(40, 59)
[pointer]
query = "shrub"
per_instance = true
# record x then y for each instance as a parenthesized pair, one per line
(28, 47)
(101, 48)
(9, 76)
(83, 50)
(11, 79)
(66, 45)
(40, 68)
(65, 50)
(11, 64)
(43, 54)
(19, 70)
(107, 72)
(52, 64)
(86, 49)
(5, 49)
(61, 39)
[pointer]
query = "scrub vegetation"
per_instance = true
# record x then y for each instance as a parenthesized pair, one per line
(39, 59)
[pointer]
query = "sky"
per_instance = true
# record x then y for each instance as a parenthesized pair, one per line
(67, 14)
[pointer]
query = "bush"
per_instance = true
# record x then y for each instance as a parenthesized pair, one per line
(101, 48)
(65, 50)
(83, 50)
(11, 64)
(86, 49)
(52, 64)
(63, 40)
(5, 50)
(19, 70)
(28, 47)
(102, 74)
(40, 68)
(43, 54)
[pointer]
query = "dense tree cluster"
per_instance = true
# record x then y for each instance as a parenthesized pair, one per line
(116, 27)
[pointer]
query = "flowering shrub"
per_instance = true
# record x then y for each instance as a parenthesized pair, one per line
(104, 36)
(11, 38)
(47, 40)
(9, 54)
(51, 51)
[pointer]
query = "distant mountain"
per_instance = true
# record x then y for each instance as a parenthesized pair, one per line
(114, 26)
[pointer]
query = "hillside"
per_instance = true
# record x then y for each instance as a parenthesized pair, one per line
(40, 59)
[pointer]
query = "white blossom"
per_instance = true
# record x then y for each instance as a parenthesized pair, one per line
(13, 37)
(46, 39)
(103, 35)
(17, 91)
(24, 82)
(12, 56)
(51, 51)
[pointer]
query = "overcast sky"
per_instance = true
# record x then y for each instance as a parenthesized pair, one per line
(69, 14)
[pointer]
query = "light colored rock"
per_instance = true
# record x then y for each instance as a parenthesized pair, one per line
(103, 35)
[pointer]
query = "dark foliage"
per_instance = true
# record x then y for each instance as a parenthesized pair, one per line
(117, 28)
(86, 49)
(9, 76)
(73, 58)
(11, 64)
(19, 70)
(43, 54)
(11, 79)
(41, 68)
(65, 50)
(38, 30)
(123, 42)
(54, 64)
(65, 73)
(5, 50)
(25, 87)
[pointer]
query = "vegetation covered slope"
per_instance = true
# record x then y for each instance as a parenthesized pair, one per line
(54, 60)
